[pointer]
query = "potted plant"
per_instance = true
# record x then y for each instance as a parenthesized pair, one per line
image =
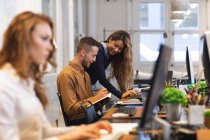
(197, 94)
(173, 99)
(203, 91)
(207, 119)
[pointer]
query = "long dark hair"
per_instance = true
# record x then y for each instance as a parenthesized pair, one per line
(121, 63)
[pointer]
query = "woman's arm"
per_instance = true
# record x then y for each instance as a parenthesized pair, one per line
(8, 115)
(83, 132)
(90, 131)
(99, 66)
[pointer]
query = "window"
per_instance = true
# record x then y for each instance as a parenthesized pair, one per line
(149, 46)
(191, 20)
(151, 13)
(155, 26)
(187, 33)
(181, 41)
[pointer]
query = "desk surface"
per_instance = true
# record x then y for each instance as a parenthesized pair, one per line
(128, 119)
(200, 134)
(128, 137)
(203, 134)
(137, 115)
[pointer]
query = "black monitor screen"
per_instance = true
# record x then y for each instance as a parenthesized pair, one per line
(205, 56)
(158, 84)
(189, 66)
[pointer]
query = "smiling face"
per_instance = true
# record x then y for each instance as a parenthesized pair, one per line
(115, 46)
(41, 43)
(90, 57)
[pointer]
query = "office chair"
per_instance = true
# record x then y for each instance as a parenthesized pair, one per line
(65, 117)
(90, 112)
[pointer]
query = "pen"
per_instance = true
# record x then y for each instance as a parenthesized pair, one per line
(196, 99)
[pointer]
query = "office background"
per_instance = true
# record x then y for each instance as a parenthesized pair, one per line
(148, 22)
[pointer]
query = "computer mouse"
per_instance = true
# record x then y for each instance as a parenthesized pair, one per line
(104, 132)
(120, 115)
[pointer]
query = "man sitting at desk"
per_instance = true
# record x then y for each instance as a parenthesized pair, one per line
(74, 83)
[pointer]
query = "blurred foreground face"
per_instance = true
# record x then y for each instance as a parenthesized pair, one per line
(41, 45)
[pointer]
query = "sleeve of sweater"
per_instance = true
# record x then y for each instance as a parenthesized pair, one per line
(100, 71)
(9, 129)
(52, 133)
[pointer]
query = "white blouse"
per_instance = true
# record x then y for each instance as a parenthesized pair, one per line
(21, 114)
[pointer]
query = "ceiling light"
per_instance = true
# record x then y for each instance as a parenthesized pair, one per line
(179, 6)
(177, 17)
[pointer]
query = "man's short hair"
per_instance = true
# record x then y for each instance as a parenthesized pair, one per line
(87, 43)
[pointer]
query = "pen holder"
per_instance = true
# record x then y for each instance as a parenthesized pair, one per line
(196, 114)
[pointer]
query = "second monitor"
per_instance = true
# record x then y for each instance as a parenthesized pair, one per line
(158, 84)
(189, 67)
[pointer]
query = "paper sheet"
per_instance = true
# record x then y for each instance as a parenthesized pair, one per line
(118, 130)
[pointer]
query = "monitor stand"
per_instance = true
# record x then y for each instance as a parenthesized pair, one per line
(151, 130)
(166, 126)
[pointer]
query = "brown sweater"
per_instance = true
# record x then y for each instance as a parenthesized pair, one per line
(74, 85)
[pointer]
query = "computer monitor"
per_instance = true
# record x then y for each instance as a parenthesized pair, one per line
(158, 84)
(189, 66)
(205, 51)
(169, 77)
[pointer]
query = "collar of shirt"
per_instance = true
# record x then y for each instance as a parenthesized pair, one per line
(77, 67)
(105, 49)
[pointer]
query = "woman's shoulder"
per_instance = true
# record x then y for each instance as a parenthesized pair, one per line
(7, 85)
(102, 46)
(101, 51)
(8, 73)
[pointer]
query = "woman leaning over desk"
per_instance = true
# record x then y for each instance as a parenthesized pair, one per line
(27, 47)
(117, 50)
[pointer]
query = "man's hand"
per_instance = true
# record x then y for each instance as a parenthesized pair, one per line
(101, 93)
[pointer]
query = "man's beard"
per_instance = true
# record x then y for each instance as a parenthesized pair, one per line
(85, 64)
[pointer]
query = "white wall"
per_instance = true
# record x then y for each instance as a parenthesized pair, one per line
(111, 15)
(10, 8)
(207, 15)
(31, 5)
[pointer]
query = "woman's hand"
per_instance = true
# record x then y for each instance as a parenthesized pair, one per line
(91, 131)
(129, 93)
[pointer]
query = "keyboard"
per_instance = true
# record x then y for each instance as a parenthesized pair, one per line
(130, 110)
(131, 102)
